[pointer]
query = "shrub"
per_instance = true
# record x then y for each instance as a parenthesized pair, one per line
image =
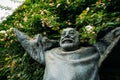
(49, 17)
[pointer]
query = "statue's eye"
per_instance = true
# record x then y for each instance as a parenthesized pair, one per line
(72, 32)
(63, 34)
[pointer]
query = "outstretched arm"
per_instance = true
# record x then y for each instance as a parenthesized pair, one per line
(37, 46)
(108, 43)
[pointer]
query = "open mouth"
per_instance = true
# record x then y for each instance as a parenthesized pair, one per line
(67, 41)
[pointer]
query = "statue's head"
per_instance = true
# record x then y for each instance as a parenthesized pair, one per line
(69, 39)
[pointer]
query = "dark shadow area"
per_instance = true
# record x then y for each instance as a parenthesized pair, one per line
(110, 69)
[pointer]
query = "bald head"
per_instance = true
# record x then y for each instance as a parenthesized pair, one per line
(69, 39)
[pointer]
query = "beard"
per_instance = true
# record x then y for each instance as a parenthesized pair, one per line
(70, 46)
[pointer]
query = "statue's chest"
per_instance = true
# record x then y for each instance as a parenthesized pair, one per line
(71, 65)
(80, 55)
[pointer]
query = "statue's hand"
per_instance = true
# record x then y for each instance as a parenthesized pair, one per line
(33, 46)
(113, 40)
(116, 32)
(111, 36)
(36, 46)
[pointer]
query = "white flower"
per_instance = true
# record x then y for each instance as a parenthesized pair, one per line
(2, 40)
(58, 5)
(6, 35)
(2, 32)
(87, 8)
(89, 28)
(11, 29)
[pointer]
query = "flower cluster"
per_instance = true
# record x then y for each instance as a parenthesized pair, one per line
(6, 36)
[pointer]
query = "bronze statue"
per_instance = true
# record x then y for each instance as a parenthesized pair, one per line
(70, 60)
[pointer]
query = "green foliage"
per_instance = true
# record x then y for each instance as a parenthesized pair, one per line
(49, 17)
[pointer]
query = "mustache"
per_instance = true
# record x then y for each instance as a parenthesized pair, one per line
(67, 39)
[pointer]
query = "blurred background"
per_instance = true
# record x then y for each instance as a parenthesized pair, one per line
(49, 17)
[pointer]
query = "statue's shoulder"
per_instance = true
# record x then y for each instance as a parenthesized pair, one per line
(57, 49)
(87, 49)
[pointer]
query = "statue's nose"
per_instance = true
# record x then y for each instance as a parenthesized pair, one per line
(67, 35)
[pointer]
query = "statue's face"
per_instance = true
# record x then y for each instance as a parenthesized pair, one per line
(69, 39)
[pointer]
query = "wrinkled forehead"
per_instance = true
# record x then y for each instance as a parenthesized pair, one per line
(68, 29)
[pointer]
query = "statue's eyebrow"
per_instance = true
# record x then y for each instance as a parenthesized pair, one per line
(72, 31)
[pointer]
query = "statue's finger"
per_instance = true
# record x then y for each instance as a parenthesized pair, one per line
(116, 32)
